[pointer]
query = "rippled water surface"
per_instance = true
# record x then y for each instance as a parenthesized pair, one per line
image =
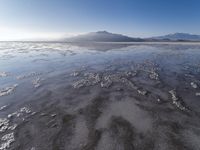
(99, 96)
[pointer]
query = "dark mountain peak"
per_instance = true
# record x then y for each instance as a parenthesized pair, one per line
(103, 32)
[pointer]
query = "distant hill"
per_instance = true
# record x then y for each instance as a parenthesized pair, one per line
(102, 36)
(179, 37)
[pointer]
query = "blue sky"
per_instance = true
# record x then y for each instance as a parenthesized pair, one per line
(53, 18)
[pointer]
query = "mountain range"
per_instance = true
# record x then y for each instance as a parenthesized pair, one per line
(104, 36)
(180, 36)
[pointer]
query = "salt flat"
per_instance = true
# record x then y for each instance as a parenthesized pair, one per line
(103, 96)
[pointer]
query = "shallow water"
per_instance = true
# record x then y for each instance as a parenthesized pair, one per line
(102, 96)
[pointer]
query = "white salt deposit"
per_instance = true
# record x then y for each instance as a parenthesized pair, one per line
(22, 111)
(75, 74)
(12, 127)
(106, 82)
(176, 101)
(3, 74)
(91, 79)
(3, 107)
(37, 82)
(25, 109)
(142, 92)
(7, 90)
(7, 139)
(153, 75)
(197, 94)
(194, 85)
(4, 123)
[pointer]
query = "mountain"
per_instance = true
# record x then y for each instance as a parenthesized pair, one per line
(179, 37)
(102, 36)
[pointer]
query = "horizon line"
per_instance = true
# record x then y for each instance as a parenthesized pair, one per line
(63, 35)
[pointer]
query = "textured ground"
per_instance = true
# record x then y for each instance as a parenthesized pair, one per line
(103, 96)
